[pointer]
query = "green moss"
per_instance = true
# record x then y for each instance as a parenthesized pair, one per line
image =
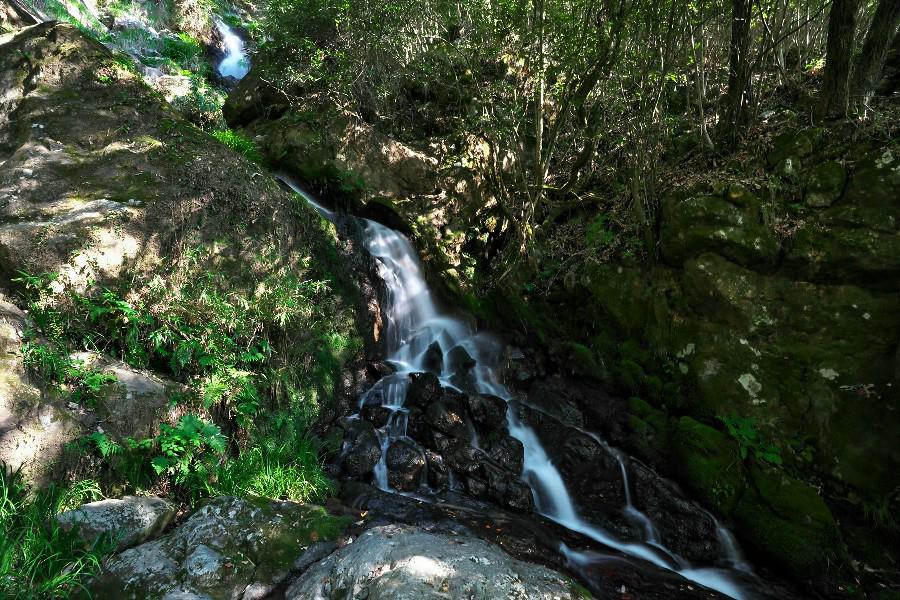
(787, 520)
(649, 428)
(583, 361)
(708, 461)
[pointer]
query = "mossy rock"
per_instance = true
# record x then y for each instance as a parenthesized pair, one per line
(225, 546)
(649, 431)
(582, 361)
(708, 461)
(825, 183)
(834, 254)
(730, 225)
(788, 521)
(792, 146)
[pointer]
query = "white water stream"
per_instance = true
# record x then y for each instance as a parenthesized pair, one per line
(235, 63)
(412, 323)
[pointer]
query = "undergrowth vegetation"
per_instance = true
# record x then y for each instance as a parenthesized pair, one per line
(38, 559)
(254, 367)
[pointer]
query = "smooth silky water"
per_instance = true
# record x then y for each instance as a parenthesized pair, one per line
(412, 323)
(235, 62)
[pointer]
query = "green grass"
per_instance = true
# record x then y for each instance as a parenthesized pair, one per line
(273, 468)
(239, 143)
(39, 560)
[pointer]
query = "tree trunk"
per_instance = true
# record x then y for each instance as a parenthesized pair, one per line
(738, 69)
(835, 95)
(870, 61)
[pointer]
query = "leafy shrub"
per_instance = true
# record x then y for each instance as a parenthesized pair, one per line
(276, 468)
(202, 106)
(37, 558)
(185, 51)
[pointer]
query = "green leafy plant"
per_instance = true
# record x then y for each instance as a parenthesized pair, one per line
(189, 451)
(598, 234)
(747, 435)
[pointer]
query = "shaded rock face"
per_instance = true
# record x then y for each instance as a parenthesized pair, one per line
(229, 548)
(128, 521)
(799, 337)
(401, 562)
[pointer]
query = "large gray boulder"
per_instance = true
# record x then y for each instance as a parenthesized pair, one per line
(229, 548)
(129, 520)
(399, 562)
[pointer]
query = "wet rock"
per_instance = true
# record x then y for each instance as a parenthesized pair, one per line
(532, 538)
(129, 521)
(378, 369)
(459, 360)
(426, 566)
(508, 453)
(226, 547)
(684, 526)
(504, 487)
(476, 486)
(376, 414)
(405, 463)
(458, 454)
(487, 412)
(423, 389)
(438, 473)
(363, 450)
(433, 359)
(447, 417)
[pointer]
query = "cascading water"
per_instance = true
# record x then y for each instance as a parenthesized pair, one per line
(413, 324)
(235, 63)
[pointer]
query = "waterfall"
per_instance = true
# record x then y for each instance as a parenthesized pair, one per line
(412, 324)
(235, 63)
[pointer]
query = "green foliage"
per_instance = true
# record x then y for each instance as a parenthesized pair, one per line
(83, 384)
(747, 435)
(185, 51)
(202, 105)
(240, 143)
(38, 559)
(242, 356)
(189, 451)
(598, 234)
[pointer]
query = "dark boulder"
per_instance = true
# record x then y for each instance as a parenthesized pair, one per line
(405, 463)
(487, 412)
(362, 448)
(433, 360)
(459, 360)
